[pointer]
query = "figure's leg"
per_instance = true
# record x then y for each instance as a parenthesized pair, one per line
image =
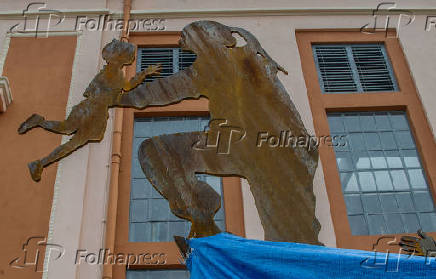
(282, 188)
(33, 121)
(283, 193)
(61, 127)
(170, 163)
(285, 215)
(61, 151)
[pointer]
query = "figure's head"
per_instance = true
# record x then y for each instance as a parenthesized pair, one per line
(118, 52)
(212, 39)
(201, 35)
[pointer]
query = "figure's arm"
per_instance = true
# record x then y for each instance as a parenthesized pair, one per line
(162, 91)
(141, 76)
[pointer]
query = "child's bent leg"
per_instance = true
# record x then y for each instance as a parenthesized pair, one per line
(61, 151)
(60, 127)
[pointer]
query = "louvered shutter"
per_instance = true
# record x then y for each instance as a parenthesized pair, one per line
(186, 59)
(353, 68)
(334, 69)
(374, 71)
(171, 59)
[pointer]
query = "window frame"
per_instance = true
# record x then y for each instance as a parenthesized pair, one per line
(232, 192)
(405, 99)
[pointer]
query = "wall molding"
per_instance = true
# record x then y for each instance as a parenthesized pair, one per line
(245, 12)
(56, 188)
(179, 13)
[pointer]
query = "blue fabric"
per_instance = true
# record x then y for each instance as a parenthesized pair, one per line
(228, 256)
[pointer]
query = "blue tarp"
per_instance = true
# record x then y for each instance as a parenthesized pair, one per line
(228, 256)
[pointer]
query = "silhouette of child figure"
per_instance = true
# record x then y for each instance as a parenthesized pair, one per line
(88, 119)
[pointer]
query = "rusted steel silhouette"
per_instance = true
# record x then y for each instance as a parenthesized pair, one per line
(88, 119)
(245, 99)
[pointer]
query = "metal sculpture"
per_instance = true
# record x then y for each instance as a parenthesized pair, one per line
(88, 119)
(246, 102)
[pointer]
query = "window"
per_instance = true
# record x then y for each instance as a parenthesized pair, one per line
(144, 223)
(383, 181)
(353, 68)
(382, 178)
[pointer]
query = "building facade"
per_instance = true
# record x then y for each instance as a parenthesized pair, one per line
(361, 72)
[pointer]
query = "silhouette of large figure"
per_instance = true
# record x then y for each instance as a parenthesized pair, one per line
(247, 103)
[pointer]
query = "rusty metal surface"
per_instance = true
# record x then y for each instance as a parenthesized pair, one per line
(88, 119)
(245, 99)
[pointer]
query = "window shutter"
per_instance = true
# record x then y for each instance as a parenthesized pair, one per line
(171, 59)
(353, 68)
(374, 71)
(334, 69)
(153, 56)
(186, 59)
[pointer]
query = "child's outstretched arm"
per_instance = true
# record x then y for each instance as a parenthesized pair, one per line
(141, 76)
(162, 91)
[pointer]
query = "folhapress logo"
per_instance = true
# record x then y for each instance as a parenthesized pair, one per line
(32, 256)
(220, 136)
(40, 20)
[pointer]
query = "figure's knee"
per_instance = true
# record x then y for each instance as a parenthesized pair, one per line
(149, 152)
(76, 141)
(62, 127)
(145, 148)
(69, 126)
(149, 155)
(159, 148)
